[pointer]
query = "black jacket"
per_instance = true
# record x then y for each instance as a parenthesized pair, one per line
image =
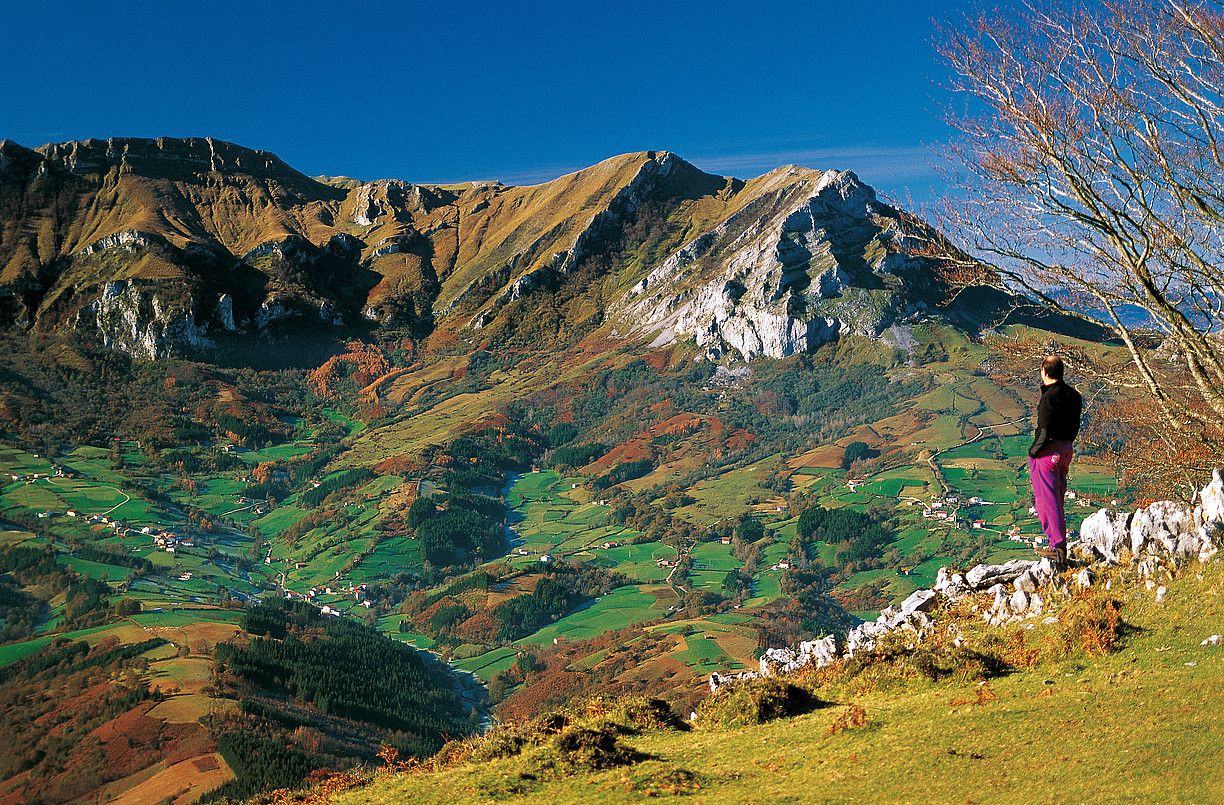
(1058, 416)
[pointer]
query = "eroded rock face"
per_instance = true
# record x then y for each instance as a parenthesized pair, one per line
(225, 312)
(779, 281)
(1165, 529)
(1212, 500)
(983, 576)
(137, 321)
(273, 309)
(818, 653)
(910, 615)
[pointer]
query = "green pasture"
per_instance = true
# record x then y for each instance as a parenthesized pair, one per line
(354, 426)
(16, 537)
(618, 609)
(486, 665)
(178, 618)
(13, 652)
(703, 654)
(277, 520)
(638, 562)
(729, 494)
(97, 570)
(15, 461)
(392, 555)
(278, 452)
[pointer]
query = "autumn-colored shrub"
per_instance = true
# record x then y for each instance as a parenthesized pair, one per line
(851, 717)
(1089, 622)
(754, 702)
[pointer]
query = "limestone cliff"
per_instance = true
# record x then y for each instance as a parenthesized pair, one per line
(813, 256)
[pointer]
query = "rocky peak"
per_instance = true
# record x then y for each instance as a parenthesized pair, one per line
(178, 159)
(93, 155)
(16, 157)
(788, 268)
(387, 201)
(845, 192)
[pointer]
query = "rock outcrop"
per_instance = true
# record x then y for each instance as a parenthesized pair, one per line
(136, 320)
(814, 257)
(1164, 530)
(1162, 535)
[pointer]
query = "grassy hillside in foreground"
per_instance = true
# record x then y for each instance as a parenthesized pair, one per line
(1139, 724)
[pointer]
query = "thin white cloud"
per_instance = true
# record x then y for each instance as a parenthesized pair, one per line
(889, 169)
(890, 166)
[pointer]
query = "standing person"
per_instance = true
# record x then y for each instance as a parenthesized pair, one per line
(1058, 423)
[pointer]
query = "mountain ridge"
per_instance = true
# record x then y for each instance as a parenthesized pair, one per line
(208, 237)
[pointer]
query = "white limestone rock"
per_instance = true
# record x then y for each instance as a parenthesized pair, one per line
(949, 584)
(225, 312)
(1104, 534)
(770, 280)
(1147, 567)
(775, 658)
(273, 309)
(983, 577)
(365, 206)
(718, 680)
(821, 652)
(810, 652)
(135, 319)
(1025, 582)
(1039, 575)
(919, 601)
(1211, 498)
(1158, 529)
(1209, 539)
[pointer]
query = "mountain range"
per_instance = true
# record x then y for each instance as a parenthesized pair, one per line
(161, 246)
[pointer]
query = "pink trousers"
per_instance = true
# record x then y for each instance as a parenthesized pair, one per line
(1049, 475)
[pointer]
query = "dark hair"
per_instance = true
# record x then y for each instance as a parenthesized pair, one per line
(1053, 367)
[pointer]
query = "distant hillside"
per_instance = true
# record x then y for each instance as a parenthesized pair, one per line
(163, 246)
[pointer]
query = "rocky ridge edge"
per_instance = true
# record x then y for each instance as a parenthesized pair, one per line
(1160, 536)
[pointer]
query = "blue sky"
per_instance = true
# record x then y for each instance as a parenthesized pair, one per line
(520, 92)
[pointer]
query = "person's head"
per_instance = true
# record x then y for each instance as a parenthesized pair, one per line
(1051, 369)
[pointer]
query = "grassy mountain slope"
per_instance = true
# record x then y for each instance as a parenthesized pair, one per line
(1137, 724)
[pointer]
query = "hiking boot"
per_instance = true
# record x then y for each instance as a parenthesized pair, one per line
(1057, 556)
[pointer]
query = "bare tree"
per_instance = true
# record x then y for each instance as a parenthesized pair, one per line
(1092, 178)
